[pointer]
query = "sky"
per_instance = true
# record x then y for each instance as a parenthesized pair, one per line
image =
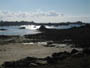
(45, 10)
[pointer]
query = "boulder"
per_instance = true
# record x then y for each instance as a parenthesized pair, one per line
(74, 51)
(61, 55)
(22, 28)
(50, 60)
(42, 28)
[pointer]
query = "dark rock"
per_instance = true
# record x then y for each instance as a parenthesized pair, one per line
(78, 54)
(61, 55)
(49, 43)
(8, 64)
(86, 51)
(74, 51)
(27, 62)
(3, 29)
(42, 28)
(22, 28)
(50, 60)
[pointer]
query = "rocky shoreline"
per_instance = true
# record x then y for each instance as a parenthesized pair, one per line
(54, 61)
(77, 36)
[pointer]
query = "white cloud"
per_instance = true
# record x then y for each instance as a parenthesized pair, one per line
(40, 16)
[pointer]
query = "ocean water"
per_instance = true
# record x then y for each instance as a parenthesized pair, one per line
(15, 30)
(63, 26)
(30, 29)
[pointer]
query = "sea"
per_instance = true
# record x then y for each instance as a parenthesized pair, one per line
(30, 29)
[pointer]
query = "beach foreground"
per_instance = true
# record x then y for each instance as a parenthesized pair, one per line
(52, 48)
(15, 51)
(34, 55)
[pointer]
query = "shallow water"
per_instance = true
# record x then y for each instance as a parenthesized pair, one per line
(63, 26)
(14, 30)
(30, 29)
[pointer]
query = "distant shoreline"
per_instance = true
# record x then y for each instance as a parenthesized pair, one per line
(16, 23)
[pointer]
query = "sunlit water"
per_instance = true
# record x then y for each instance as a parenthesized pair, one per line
(63, 26)
(15, 30)
(30, 29)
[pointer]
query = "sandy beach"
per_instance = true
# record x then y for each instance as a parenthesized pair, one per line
(16, 51)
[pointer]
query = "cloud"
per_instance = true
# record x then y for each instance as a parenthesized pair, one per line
(53, 13)
(7, 15)
(40, 16)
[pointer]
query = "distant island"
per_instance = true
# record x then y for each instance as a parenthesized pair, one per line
(18, 23)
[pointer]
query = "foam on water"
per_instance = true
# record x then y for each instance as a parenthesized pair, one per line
(31, 29)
